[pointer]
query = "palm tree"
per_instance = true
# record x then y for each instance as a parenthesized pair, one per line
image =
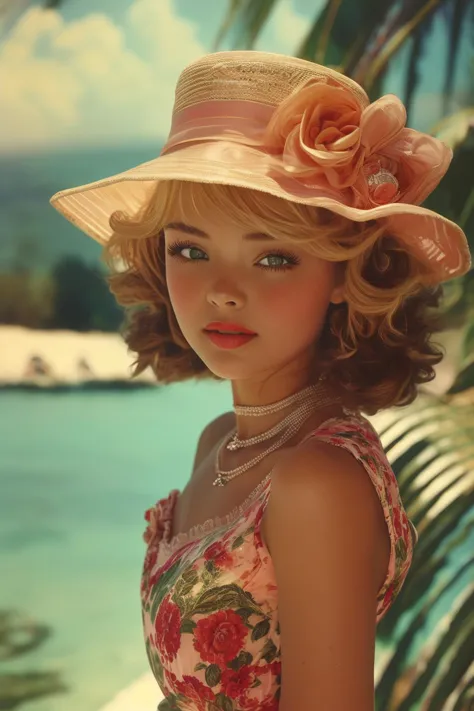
(429, 633)
(359, 38)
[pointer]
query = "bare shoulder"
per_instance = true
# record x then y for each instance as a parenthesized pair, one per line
(211, 434)
(322, 492)
(322, 526)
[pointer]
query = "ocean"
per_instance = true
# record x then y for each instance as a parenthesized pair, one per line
(77, 472)
(33, 234)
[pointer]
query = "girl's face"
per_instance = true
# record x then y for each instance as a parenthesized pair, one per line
(219, 272)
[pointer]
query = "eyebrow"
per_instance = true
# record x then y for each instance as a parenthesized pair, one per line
(190, 230)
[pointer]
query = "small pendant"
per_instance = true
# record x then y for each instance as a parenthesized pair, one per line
(233, 445)
(219, 481)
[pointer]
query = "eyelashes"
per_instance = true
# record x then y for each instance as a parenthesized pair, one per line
(175, 249)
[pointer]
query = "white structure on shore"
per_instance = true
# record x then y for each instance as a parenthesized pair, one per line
(52, 358)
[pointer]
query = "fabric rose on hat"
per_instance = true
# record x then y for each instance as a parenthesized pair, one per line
(327, 139)
(317, 130)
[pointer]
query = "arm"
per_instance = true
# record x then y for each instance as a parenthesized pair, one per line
(325, 528)
(211, 434)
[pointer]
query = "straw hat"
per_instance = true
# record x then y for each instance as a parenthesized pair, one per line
(299, 131)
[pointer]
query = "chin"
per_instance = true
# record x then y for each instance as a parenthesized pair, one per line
(228, 371)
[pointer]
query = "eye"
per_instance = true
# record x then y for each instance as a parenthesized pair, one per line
(275, 261)
(176, 248)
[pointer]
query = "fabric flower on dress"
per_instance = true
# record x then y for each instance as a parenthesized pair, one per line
(327, 139)
(160, 520)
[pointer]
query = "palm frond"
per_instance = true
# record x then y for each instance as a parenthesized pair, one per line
(459, 10)
(413, 74)
(228, 22)
(324, 27)
(245, 19)
(391, 692)
(453, 130)
(340, 31)
(430, 447)
(402, 26)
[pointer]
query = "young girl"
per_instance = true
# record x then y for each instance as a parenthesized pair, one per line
(278, 243)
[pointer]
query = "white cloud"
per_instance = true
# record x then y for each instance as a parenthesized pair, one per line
(91, 79)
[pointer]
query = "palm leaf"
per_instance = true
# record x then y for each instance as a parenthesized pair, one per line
(340, 32)
(453, 129)
(315, 44)
(459, 10)
(229, 20)
(402, 26)
(430, 447)
(245, 19)
(413, 74)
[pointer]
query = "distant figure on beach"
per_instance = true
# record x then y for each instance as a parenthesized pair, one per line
(37, 368)
(278, 244)
(84, 370)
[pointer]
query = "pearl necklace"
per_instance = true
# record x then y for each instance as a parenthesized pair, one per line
(311, 393)
(309, 400)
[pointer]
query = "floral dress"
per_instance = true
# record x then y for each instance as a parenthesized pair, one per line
(210, 598)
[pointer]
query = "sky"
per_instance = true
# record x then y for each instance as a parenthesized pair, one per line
(104, 71)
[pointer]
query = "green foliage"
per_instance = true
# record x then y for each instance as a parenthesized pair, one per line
(25, 299)
(82, 301)
(75, 296)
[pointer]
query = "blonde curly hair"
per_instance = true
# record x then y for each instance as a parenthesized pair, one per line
(374, 348)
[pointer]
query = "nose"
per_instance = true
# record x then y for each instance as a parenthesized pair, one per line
(221, 295)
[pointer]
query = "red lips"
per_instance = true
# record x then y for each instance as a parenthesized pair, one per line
(229, 327)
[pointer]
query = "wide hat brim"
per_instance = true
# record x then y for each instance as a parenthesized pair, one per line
(436, 241)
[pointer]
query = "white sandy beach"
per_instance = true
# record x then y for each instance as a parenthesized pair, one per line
(72, 357)
(143, 695)
(67, 357)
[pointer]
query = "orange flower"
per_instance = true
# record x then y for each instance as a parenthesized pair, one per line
(317, 130)
(363, 155)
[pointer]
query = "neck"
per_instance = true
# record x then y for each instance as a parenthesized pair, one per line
(249, 425)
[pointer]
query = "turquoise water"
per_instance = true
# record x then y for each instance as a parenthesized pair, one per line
(77, 472)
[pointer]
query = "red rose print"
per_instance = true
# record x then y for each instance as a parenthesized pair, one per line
(160, 518)
(219, 554)
(195, 692)
(246, 575)
(258, 705)
(388, 494)
(397, 522)
(171, 680)
(273, 668)
(388, 596)
(150, 560)
(161, 570)
(219, 637)
(167, 629)
(236, 683)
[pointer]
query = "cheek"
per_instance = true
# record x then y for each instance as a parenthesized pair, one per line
(181, 289)
(301, 305)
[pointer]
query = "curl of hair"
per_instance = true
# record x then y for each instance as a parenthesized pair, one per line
(374, 348)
